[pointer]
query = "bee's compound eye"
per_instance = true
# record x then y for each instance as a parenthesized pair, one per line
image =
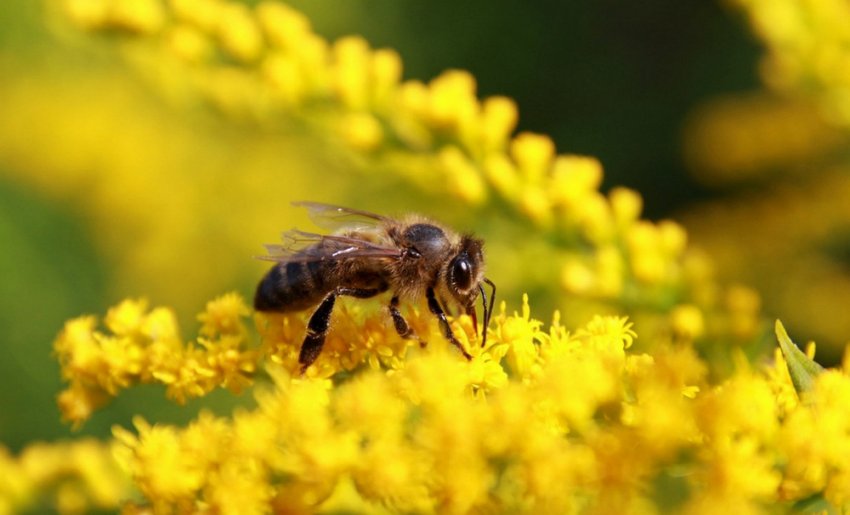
(462, 273)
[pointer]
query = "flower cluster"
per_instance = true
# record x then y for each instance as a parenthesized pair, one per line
(543, 419)
(145, 347)
(69, 477)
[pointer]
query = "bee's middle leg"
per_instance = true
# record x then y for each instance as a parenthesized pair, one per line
(401, 326)
(320, 320)
(435, 308)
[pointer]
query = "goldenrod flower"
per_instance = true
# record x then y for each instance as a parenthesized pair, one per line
(145, 347)
(68, 477)
(541, 419)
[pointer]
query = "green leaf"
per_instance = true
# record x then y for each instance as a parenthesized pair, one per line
(802, 370)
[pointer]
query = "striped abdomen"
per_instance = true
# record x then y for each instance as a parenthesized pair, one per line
(294, 286)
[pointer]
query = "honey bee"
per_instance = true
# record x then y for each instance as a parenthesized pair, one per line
(369, 254)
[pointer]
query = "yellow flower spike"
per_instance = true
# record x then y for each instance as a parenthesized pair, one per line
(239, 488)
(127, 317)
(462, 176)
(203, 14)
(626, 205)
(452, 104)
(224, 315)
(386, 70)
(648, 263)
(744, 305)
(81, 476)
(362, 131)
(284, 75)
(499, 117)
(521, 333)
(392, 473)
(502, 174)
(88, 14)
(609, 333)
(610, 272)
(146, 348)
(351, 56)
(283, 26)
(189, 44)
(239, 33)
(534, 154)
(159, 467)
(780, 383)
(77, 403)
(577, 277)
(414, 97)
(534, 203)
(573, 178)
(594, 218)
(687, 321)
(672, 238)
(140, 16)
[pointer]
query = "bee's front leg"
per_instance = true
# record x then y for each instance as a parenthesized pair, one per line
(435, 308)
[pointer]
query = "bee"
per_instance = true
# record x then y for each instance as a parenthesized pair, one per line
(369, 254)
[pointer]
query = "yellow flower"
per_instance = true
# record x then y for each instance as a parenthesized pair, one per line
(145, 347)
(68, 477)
(223, 316)
(542, 418)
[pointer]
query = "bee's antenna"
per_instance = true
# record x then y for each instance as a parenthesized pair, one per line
(488, 310)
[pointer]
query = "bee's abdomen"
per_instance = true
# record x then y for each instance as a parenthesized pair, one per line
(293, 286)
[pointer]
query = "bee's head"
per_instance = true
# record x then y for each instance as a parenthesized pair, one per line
(465, 271)
(463, 277)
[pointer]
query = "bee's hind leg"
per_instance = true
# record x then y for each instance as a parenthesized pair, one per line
(435, 308)
(320, 321)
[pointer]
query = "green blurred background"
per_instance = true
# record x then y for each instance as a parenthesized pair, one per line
(616, 80)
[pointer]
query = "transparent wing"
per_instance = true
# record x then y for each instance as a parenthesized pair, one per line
(306, 246)
(335, 218)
